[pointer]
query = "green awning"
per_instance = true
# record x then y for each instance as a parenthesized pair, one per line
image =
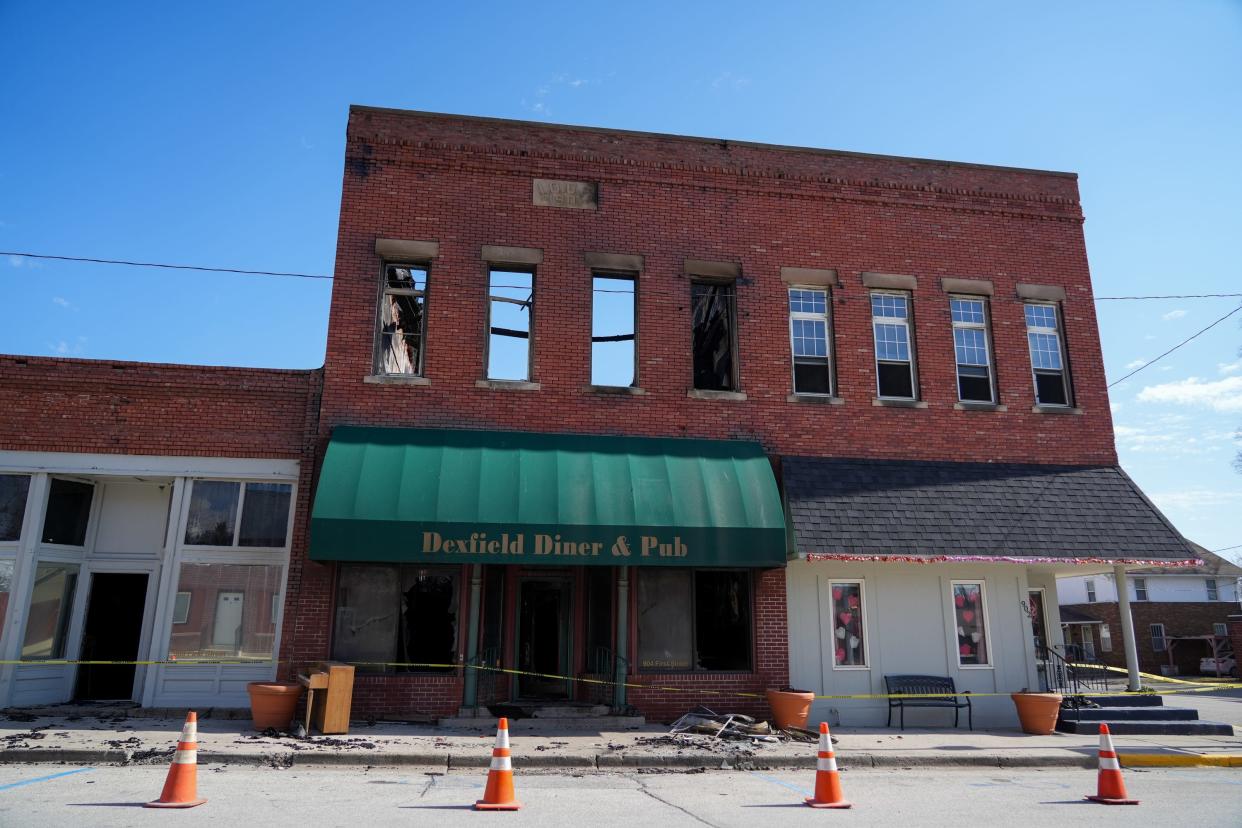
(445, 496)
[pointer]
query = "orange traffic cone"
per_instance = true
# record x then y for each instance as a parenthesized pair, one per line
(1111, 789)
(181, 786)
(498, 795)
(827, 779)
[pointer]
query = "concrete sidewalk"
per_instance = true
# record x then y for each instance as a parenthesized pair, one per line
(117, 739)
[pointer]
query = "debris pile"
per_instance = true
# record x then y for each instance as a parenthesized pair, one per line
(737, 726)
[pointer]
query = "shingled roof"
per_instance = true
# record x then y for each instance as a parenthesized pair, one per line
(919, 509)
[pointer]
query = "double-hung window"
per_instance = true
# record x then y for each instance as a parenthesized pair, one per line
(1140, 589)
(510, 317)
(1090, 591)
(894, 352)
(1043, 334)
(1213, 594)
(713, 307)
(970, 344)
(402, 320)
(810, 338)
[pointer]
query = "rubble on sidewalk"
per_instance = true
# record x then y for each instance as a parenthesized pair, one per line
(704, 720)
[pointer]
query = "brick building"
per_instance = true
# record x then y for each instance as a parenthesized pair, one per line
(697, 413)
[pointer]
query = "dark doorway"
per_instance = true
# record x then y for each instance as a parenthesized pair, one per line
(114, 611)
(543, 642)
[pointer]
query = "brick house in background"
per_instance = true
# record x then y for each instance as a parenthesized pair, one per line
(1192, 605)
(701, 414)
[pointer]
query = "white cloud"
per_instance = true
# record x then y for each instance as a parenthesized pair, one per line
(1138, 363)
(1229, 367)
(62, 301)
(1219, 395)
(1196, 499)
(1114, 407)
(1174, 314)
(16, 261)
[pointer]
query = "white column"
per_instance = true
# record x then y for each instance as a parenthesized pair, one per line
(1127, 627)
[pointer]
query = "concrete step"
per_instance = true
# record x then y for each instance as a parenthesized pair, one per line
(543, 724)
(1129, 700)
(571, 711)
(1132, 714)
(1150, 728)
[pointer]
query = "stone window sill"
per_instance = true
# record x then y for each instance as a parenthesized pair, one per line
(899, 403)
(396, 379)
(615, 390)
(815, 399)
(1055, 409)
(967, 405)
(507, 385)
(703, 394)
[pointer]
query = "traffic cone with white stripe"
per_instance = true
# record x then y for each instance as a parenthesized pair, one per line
(1111, 789)
(498, 795)
(827, 779)
(181, 786)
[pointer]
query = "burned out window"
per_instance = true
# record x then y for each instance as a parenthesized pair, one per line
(396, 618)
(613, 326)
(713, 308)
(13, 491)
(694, 620)
(1047, 356)
(894, 353)
(402, 320)
(51, 606)
(215, 505)
(510, 314)
(810, 340)
(68, 512)
(970, 345)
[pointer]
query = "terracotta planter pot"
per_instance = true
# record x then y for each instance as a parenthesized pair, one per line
(272, 703)
(1037, 711)
(790, 708)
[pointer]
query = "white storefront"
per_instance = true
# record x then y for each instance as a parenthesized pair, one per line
(125, 558)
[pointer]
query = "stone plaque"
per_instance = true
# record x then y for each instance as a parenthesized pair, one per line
(577, 195)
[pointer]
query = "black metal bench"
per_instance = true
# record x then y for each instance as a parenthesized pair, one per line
(926, 691)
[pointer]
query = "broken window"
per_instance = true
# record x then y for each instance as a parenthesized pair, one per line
(511, 305)
(970, 344)
(894, 361)
(613, 323)
(68, 512)
(1047, 360)
(13, 491)
(215, 504)
(694, 620)
(403, 319)
(396, 615)
(808, 331)
(713, 308)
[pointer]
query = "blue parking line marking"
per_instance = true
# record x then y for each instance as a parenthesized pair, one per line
(12, 785)
(783, 784)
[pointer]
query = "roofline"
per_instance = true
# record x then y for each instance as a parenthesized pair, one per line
(418, 113)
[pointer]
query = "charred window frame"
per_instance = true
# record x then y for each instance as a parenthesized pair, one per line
(713, 309)
(614, 329)
(699, 620)
(1047, 347)
(401, 337)
(896, 378)
(810, 337)
(510, 322)
(397, 618)
(972, 349)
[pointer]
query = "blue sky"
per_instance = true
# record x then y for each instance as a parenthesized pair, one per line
(213, 134)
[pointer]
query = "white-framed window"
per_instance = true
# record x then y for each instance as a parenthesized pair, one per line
(972, 349)
(849, 624)
(212, 518)
(1106, 638)
(1157, 637)
(970, 620)
(1220, 630)
(894, 346)
(614, 329)
(231, 622)
(1088, 646)
(810, 336)
(14, 489)
(51, 607)
(1043, 334)
(402, 320)
(68, 512)
(1140, 589)
(510, 320)
(1213, 594)
(181, 607)
(1090, 583)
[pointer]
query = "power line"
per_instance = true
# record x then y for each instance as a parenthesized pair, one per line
(166, 266)
(1227, 548)
(1172, 296)
(1175, 347)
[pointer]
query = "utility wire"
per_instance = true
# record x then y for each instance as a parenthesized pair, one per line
(1227, 548)
(1173, 296)
(1147, 365)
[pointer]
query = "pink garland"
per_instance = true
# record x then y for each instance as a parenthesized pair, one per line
(928, 559)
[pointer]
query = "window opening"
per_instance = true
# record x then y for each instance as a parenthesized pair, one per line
(1140, 589)
(972, 634)
(387, 614)
(713, 307)
(214, 507)
(403, 319)
(181, 608)
(809, 327)
(51, 604)
(613, 330)
(1106, 638)
(849, 624)
(13, 491)
(1157, 637)
(1220, 630)
(228, 611)
(511, 307)
(1047, 360)
(68, 512)
(694, 620)
(890, 318)
(1213, 594)
(970, 344)
(1090, 591)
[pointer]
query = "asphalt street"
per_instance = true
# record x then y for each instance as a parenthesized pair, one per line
(60, 795)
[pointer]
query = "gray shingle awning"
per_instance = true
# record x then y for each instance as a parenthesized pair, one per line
(919, 510)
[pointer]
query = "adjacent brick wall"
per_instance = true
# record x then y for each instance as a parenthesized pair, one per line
(1179, 619)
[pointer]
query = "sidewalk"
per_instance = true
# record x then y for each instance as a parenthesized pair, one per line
(119, 740)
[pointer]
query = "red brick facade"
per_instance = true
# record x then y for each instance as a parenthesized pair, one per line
(1180, 618)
